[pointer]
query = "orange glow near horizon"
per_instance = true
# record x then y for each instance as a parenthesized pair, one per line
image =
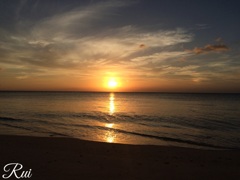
(101, 82)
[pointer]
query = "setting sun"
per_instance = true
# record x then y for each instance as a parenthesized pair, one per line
(112, 83)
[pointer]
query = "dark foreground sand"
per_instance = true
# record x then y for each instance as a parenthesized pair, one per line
(67, 159)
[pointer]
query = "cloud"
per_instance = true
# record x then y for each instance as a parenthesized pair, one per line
(77, 22)
(20, 7)
(202, 26)
(76, 40)
(210, 48)
(160, 56)
(22, 77)
(122, 44)
(142, 46)
(219, 40)
(102, 48)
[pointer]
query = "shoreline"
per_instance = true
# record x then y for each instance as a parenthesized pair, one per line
(69, 158)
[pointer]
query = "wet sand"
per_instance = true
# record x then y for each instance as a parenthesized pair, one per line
(57, 158)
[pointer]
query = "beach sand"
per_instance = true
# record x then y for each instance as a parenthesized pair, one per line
(56, 158)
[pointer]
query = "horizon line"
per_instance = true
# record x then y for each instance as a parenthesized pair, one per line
(78, 91)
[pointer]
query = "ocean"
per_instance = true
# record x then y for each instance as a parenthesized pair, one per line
(209, 121)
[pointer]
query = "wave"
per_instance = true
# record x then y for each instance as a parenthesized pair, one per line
(61, 123)
(164, 138)
(35, 130)
(11, 119)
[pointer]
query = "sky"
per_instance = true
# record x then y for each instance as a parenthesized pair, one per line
(137, 45)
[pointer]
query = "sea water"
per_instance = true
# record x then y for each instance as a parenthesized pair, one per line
(172, 119)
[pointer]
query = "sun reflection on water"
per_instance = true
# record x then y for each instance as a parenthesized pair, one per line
(110, 135)
(111, 104)
(109, 125)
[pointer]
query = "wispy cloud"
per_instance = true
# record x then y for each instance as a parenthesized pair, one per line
(75, 23)
(210, 48)
(160, 56)
(20, 7)
(76, 40)
(202, 26)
